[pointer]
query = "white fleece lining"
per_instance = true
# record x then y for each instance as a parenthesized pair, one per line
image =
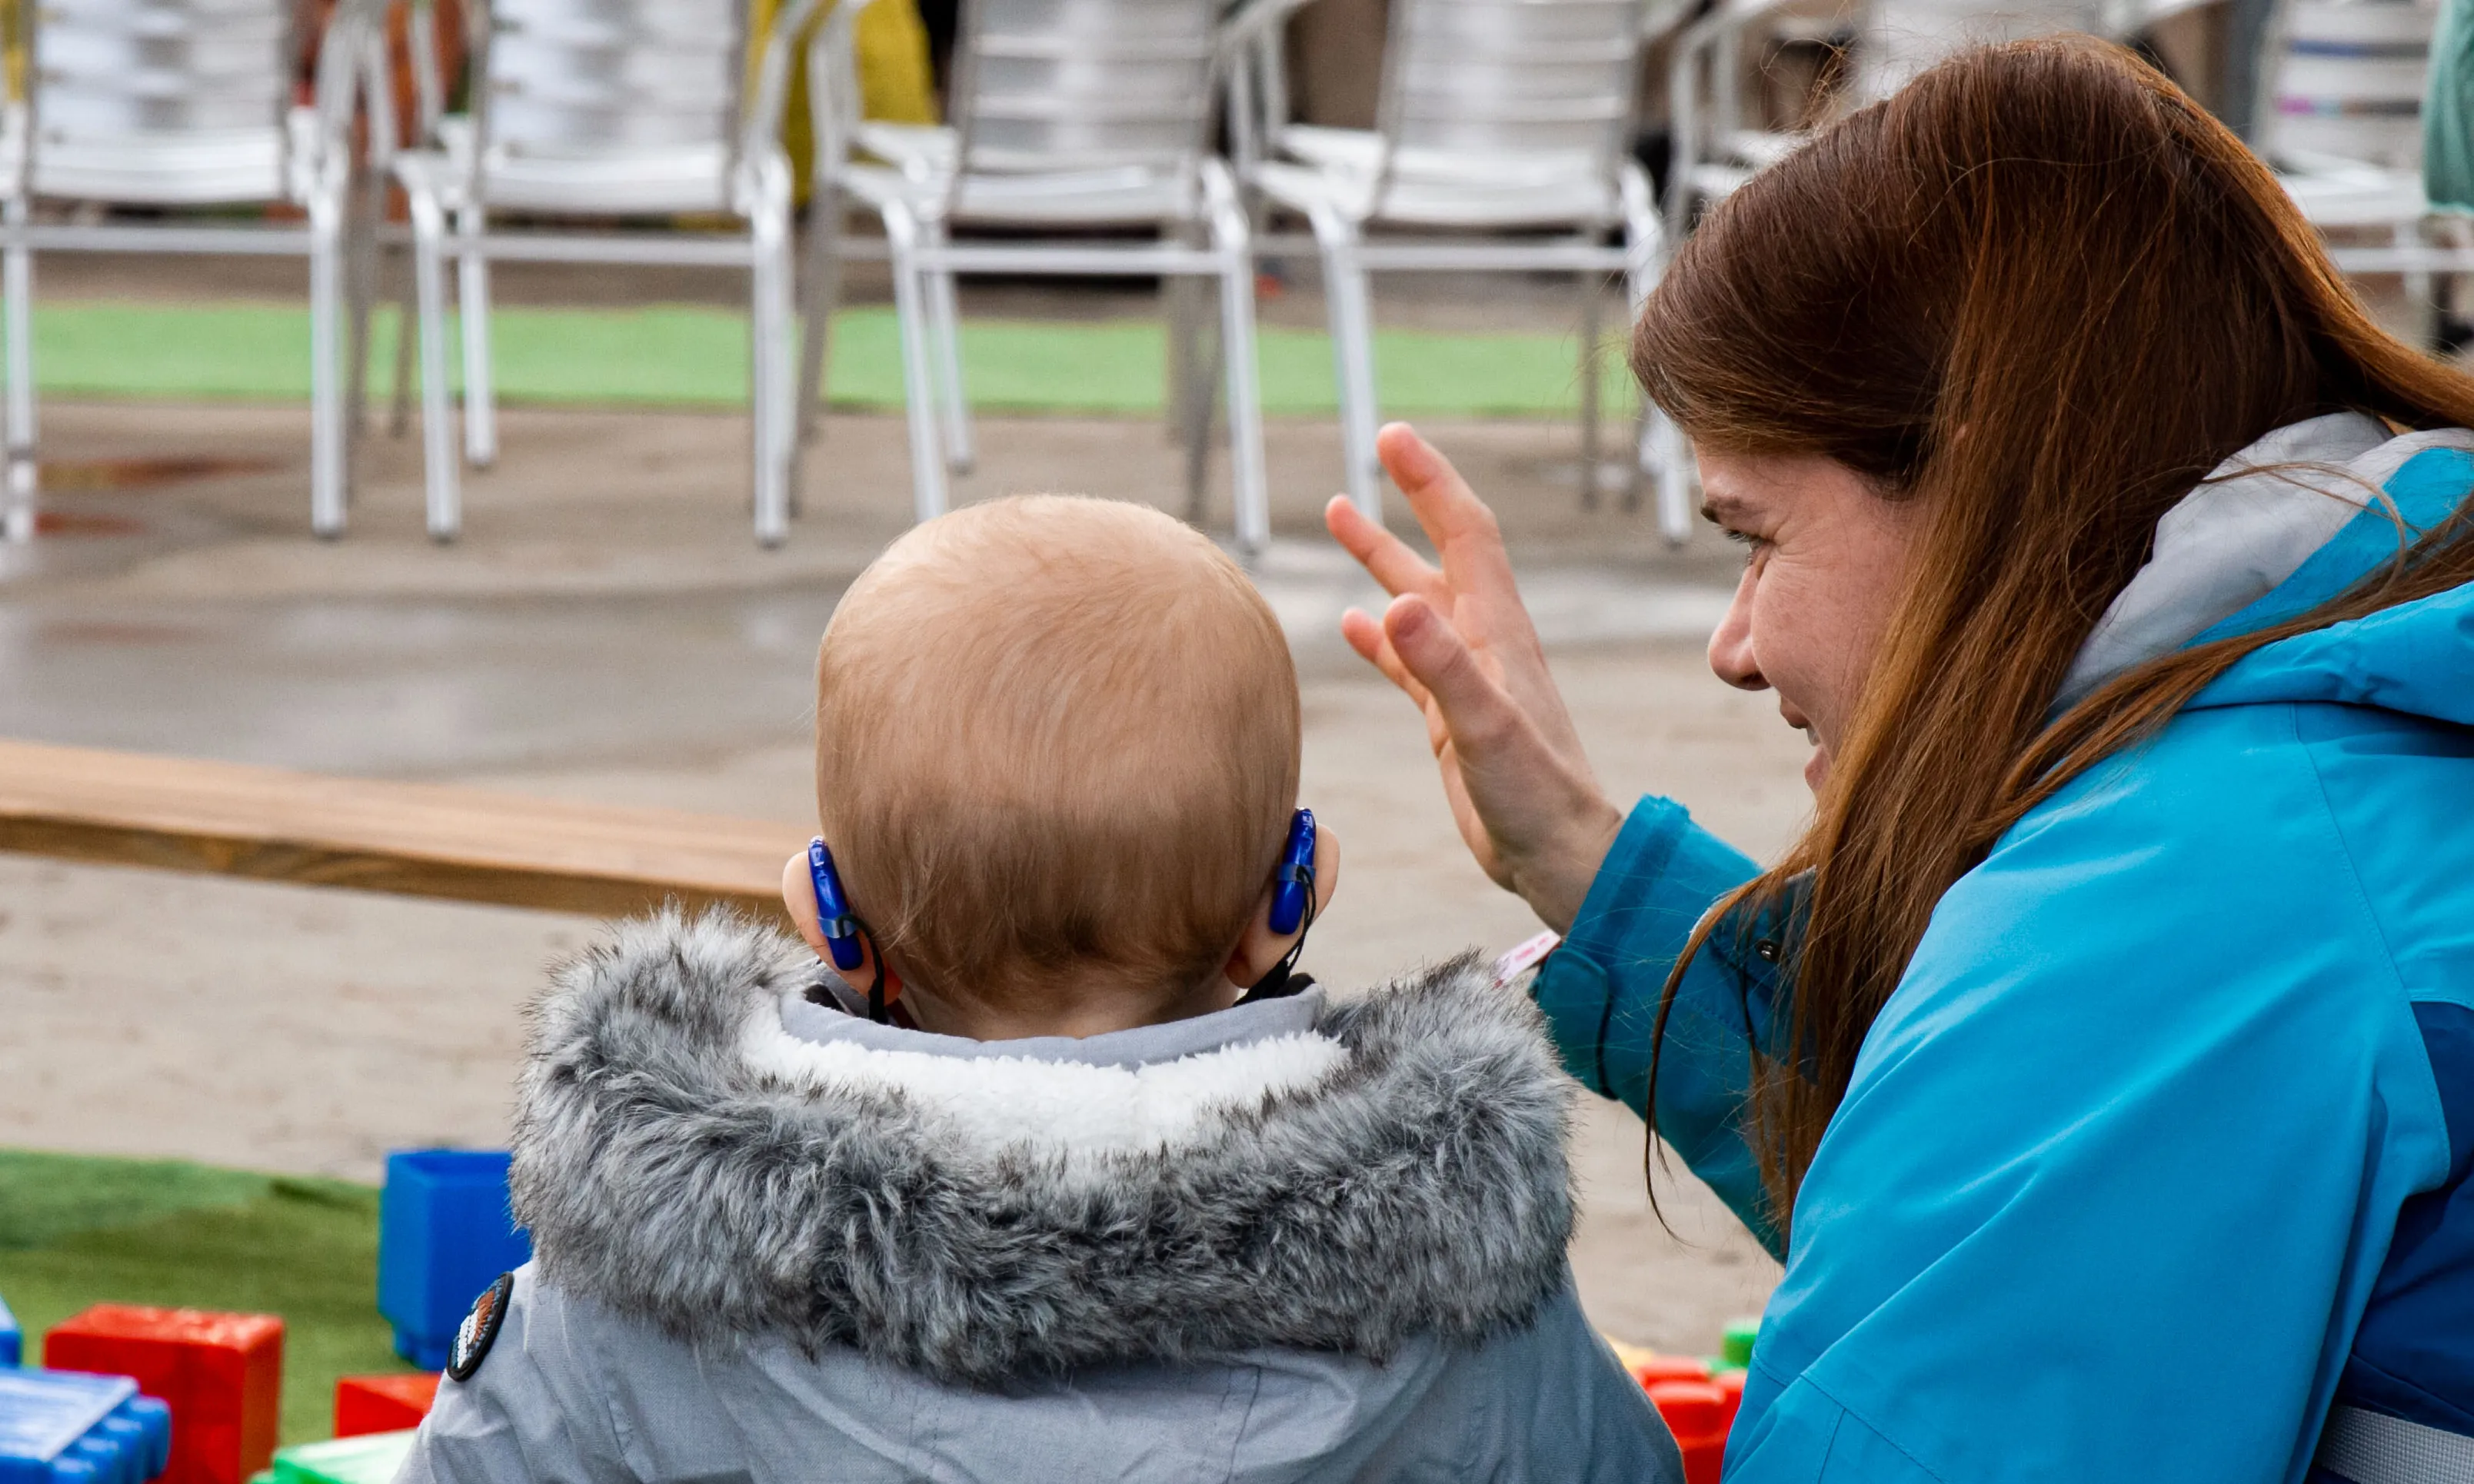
(1069, 1107)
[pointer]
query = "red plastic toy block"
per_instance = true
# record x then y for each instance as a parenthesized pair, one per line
(384, 1404)
(1655, 1368)
(222, 1373)
(1732, 1382)
(1697, 1413)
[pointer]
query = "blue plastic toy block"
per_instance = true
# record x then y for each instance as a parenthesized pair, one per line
(12, 1340)
(444, 1233)
(68, 1427)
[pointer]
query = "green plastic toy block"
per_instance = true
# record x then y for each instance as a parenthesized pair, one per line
(371, 1458)
(1737, 1347)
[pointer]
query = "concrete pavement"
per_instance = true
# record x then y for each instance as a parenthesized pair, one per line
(607, 631)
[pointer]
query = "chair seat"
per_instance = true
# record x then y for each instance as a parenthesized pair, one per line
(1761, 147)
(1490, 194)
(1355, 149)
(2358, 196)
(602, 182)
(163, 169)
(1132, 195)
(1715, 181)
(916, 150)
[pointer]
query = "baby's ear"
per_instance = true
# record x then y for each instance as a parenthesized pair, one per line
(1326, 865)
(799, 899)
(1260, 948)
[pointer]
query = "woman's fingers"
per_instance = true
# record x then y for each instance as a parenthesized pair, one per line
(1456, 520)
(1473, 707)
(1384, 555)
(1477, 570)
(1365, 635)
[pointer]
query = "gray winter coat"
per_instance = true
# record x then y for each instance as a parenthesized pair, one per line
(1307, 1239)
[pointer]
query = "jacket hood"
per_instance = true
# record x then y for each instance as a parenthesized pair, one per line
(1392, 1165)
(2287, 523)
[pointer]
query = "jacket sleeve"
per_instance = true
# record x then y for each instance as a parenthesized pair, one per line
(528, 1414)
(1601, 989)
(2120, 1161)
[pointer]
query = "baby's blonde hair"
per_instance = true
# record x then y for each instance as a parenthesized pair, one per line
(1056, 749)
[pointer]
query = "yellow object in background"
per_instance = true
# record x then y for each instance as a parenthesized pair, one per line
(894, 82)
(11, 20)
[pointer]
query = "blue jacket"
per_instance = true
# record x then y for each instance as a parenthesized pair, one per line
(2161, 1143)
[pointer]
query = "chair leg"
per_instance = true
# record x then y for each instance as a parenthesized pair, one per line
(1231, 236)
(919, 399)
(1186, 400)
(1352, 349)
(408, 314)
(1203, 389)
(1656, 442)
(327, 424)
(472, 280)
(1593, 290)
(1663, 443)
(770, 413)
(367, 209)
(1245, 404)
(17, 269)
(945, 323)
(440, 464)
(820, 293)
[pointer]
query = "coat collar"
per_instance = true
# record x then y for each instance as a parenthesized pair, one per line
(2246, 528)
(1393, 1167)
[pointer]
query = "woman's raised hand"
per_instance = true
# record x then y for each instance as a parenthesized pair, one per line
(1460, 645)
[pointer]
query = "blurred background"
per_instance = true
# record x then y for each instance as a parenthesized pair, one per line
(500, 396)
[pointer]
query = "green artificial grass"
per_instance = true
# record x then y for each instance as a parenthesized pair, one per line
(691, 356)
(76, 1231)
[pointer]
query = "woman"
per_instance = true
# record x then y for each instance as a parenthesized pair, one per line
(2101, 1060)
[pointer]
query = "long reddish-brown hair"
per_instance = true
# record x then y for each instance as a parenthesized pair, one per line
(2044, 293)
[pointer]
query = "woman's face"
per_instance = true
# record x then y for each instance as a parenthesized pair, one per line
(1824, 557)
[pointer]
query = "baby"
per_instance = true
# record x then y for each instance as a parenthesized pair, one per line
(1045, 1166)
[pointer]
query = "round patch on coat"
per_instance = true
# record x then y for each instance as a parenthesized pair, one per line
(480, 1328)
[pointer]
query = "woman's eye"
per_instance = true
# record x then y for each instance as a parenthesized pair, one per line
(1753, 545)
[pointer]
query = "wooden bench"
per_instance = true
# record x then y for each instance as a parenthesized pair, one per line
(407, 839)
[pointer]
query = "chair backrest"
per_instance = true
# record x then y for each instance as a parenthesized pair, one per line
(1068, 85)
(120, 81)
(599, 79)
(1549, 80)
(2344, 80)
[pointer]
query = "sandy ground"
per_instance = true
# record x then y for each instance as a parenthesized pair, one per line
(607, 632)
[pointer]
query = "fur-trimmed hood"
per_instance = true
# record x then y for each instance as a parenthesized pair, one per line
(1391, 1167)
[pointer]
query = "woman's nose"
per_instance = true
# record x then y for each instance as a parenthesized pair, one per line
(1730, 643)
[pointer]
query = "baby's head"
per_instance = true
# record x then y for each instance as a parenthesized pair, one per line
(1056, 756)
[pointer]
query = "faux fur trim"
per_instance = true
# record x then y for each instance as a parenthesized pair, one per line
(1069, 1109)
(677, 1161)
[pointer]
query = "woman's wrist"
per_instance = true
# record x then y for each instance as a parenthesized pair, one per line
(1555, 881)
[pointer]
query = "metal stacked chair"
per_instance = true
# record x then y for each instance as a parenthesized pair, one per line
(1067, 116)
(180, 104)
(2340, 117)
(594, 110)
(1718, 144)
(1505, 124)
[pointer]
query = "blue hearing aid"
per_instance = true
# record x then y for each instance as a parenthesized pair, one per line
(1293, 881)
(1293, 910)
(833, 909)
